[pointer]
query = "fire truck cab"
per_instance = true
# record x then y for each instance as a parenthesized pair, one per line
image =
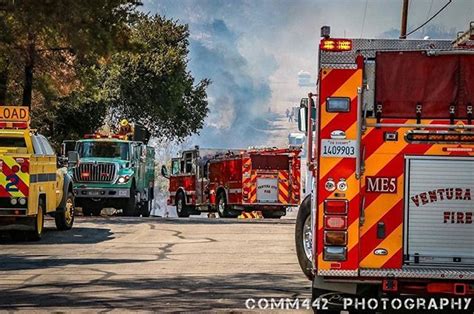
(391, 159)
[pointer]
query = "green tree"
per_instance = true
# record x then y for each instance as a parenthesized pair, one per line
(151, 85)
(50, 39)
(80, 62)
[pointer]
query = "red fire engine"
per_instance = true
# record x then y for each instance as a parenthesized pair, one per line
(232, 181)
(391, 158)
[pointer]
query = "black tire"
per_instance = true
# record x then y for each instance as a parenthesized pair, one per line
(304, 260)
(38, 223)
(65, 217)
(96, 211)
(222, 207)
(18, 235)
(277, 214)
(148, 206)
(181, 208)
(86, 211)
(130, 208)
(145, 209)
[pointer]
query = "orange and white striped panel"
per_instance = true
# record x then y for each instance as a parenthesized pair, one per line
(248, 181)
(283, 187)
(296, 181)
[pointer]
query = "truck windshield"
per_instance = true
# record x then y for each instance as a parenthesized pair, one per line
(104, 149)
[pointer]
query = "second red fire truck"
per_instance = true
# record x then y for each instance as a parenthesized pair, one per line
(232, 181)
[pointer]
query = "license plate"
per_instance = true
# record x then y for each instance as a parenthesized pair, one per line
(338, 148)
(94, 193)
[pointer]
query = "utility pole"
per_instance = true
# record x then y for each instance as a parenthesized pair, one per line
(403, 28)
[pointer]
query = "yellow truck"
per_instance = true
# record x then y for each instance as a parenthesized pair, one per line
(31, 184)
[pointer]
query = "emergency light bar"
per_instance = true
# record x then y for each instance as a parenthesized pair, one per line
(336, 45)
(99, 136)
(448, 137)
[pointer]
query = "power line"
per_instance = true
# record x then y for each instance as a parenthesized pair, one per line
(429, 20)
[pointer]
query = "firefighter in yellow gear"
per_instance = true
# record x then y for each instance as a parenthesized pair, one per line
(125, 129)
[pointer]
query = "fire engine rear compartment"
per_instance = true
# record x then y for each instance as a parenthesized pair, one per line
(268, 182)
(438, 225)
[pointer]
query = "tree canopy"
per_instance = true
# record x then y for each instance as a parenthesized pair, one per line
(151, 84)
(80, 63)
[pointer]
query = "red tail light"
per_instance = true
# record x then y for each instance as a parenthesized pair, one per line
(15, 168)
(335, 207)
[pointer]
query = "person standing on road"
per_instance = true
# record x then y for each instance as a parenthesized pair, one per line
(288, 114)
(292, 114)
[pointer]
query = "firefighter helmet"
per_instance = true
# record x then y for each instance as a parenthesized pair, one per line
(124, 122)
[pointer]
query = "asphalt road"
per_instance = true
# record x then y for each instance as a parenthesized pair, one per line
(151, 264)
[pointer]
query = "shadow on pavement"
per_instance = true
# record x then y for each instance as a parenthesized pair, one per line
(183, 293)
(77, 235)
(12, 262)
(175, 221)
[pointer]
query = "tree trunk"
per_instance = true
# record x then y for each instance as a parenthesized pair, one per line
(3, 86)
(28, 86)
(29, 66)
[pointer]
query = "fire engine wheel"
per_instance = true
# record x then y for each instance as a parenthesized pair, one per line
(181, 208)
(65, 218)
(38, 226)
(273, 214)
(222, 208)
(304, 238)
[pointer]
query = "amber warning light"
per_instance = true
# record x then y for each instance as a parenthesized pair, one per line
(336, 45)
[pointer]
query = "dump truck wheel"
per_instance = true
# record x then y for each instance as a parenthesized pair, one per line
(181, 208)
(146, 209)
(303, 238)
(37, 232)
(130, 208)
(65, 218)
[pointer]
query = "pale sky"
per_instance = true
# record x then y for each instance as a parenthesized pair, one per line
(258, 53)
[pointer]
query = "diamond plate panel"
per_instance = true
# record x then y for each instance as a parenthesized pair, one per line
(338, 272)
(426, 273)
(368, 48)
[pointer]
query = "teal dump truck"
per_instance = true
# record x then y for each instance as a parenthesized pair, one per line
(112, 171)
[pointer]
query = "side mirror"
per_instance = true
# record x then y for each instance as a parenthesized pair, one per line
(164, 172)
(302, 119)
(63, 149)
(72, 158)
